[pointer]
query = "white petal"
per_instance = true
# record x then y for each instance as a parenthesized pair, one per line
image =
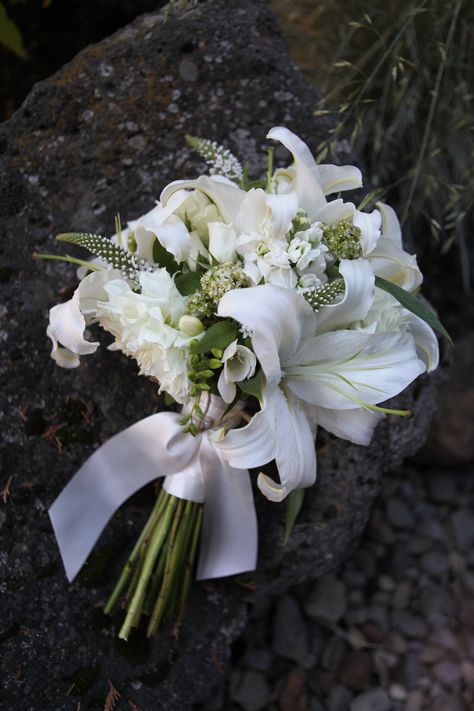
(345, 369)
(225, 194)
(92, 289)
(390, 224)
(227, 389)
(354, 425)
(284, 208)
(294, 446)
(222, 241)
(358, 296)
(66, 326)
(307, 179)
(277, 317)
(392, 263)
(145, 240)
(369, 225)
(252, 212)
(426, 342)
(174, 237)
(250, 446)
(335, 178)
(334, 211)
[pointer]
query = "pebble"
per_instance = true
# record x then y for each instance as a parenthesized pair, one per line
(462, 522)
(397, 692)
(374, 699)
(399, 514)
(435, 563)
(356, 671)
(333, 653)
(386, 583)
(327, 601)
(447, 703)
(415, 700)
(289, 631)
(339, 698)
(401, 596)
(448, 672)
(408, 624)
(252, 692)
(294, 694)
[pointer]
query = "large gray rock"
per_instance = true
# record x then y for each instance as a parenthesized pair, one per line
(103, 135)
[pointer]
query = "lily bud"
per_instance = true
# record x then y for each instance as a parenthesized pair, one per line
(190, 325)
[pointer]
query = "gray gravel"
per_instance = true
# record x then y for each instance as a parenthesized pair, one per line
(393, 630)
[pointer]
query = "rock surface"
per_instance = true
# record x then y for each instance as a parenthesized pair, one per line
(104, 135)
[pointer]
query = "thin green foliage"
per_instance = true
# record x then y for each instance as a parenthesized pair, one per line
(400, 78)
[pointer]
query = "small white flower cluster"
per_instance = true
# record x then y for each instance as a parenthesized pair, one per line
(275, 291)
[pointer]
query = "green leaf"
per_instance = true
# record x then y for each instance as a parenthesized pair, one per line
(294, 503)
(253, 386)
(411, 303)
(219, 335)
(163, 258)
(187, 283)
(10, 35)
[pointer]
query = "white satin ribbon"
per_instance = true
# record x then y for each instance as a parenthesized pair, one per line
(195, 470)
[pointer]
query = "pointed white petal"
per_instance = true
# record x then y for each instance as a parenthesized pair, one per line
(334, 211)
(369, 225)
(284, 208)
(252, 212)
(225, 194)
(390, 224)
(357, 299)
(344, 369)
(335, 178)
(250, 446)
(277, 317)
(174, 237)
(91, 289)
(426, 342)
(354, 425)
(222, 241)
(226, 388)
(307, 179)
(294, 446)
(392, 263)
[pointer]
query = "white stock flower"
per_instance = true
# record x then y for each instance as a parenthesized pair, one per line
(315, 370)
(239, 364)
(146, 326)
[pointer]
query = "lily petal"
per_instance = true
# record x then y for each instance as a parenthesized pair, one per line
(222, 241)
(336, 178)
(295, 454)
(277, 317)
(307, 177)
(250, 446)
(355, 425)
(358, 296)
(284, 208)
(369, 225)
(226, 195)
(342, 370)
(390, 224)
(425, 341)
(392, 263)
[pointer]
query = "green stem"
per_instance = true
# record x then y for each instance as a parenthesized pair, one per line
(180, 554)
(129, 566)
(167, 576)
(190, 564)
(71, 260)
(157, 539)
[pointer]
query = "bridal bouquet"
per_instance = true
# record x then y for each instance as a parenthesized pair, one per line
(265, 310)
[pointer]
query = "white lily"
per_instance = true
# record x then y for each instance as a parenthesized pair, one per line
(389, 260)
(67, 322)
(310, 376)
(312, 182)
(239, 364)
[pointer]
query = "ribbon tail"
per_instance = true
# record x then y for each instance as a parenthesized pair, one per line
(153, 447)
(229, 537)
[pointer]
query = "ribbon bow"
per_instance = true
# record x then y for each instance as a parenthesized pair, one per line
(194, 469)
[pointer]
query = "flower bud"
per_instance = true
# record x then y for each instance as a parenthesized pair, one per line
(190, 325)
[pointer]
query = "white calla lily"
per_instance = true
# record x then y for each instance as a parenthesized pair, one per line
(227, 196)
(369, 224)
(67, 322)
(357, 299)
